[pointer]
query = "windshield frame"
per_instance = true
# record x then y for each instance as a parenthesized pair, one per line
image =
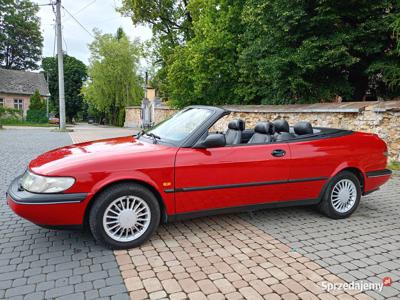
(191, 139)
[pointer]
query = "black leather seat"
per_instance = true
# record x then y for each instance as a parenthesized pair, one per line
(283, 136)
(233, 135)
(263, 133)
(281, 130)
(302, 128)
(281, 126)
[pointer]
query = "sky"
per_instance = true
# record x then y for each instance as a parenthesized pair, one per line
(91, 14)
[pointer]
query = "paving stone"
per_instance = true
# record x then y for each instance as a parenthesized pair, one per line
(92, 294)
(59, 274)
(44, 286)
(120, 297)
(94, 276)
(99, 283)
(112, 290)
(336, 269)
(172, 286)
(213, 247)
(32, 252)
(359, 248)
(19, 282)
(75, 296)
(59, 291)
(5, 284)
(18, 291)
(251, 294)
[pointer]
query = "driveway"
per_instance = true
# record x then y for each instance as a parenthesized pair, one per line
(287, 253)
(38, 263)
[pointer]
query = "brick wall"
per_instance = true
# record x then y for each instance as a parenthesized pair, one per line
(382, 118)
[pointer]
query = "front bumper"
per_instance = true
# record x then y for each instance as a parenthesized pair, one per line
(47, 209)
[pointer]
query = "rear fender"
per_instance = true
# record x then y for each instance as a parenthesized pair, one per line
(341, 167)
(347, 165)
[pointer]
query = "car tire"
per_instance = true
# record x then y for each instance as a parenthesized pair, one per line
(341, 196)
(124, 216)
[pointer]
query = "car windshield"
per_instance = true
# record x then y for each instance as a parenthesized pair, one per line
(181, 125)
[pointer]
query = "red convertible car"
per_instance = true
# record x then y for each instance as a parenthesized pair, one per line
(122, 188)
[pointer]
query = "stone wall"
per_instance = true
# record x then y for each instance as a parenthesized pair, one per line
(160, 114)
(382, 118)
(132, 117)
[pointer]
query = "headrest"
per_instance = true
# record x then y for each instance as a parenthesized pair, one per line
(237, 124)
(264, 128)
(303, 128)
(281, 126)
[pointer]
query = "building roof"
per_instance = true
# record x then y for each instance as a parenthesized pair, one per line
(22, 82)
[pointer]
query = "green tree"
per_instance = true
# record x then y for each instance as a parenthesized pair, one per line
(21, 40)
(308, 51)
(205, 70)
(37, 109)
(36, 101)
(390, 69)
(74, 76)
(171, 23)
(113, 81)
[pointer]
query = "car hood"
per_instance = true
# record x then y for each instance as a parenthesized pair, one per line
(56, 161)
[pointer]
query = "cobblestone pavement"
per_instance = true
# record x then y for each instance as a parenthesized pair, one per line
(364, 247)
(37, 263)
(222, 257)
(85, 132)
(273, 254)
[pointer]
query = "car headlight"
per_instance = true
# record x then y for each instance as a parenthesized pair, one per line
(42, 184)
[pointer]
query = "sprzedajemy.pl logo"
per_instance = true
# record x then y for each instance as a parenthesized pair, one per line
(356, 285)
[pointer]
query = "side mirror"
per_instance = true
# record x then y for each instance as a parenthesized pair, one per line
(213, 140)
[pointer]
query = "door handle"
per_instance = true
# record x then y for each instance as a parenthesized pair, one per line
(278, 152)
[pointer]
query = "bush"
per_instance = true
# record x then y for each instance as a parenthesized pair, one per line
(36, 102)
(36, 116)
(10, 113)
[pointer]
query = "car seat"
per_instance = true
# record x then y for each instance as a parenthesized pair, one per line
(233, 135)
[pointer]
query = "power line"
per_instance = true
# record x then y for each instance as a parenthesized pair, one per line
(81, 9)
(83, 27)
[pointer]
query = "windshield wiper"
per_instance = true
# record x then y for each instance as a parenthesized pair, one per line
(154, 136)
(139, 134)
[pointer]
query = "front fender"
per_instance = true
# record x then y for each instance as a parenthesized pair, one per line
(121, 176)
(134, 176)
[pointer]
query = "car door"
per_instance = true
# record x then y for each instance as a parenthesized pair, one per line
(312, 162)
(231, 176)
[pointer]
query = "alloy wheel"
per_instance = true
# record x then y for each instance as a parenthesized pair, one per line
(126, 218)
(344, 195)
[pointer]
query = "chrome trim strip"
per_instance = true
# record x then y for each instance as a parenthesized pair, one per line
(240, 185)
